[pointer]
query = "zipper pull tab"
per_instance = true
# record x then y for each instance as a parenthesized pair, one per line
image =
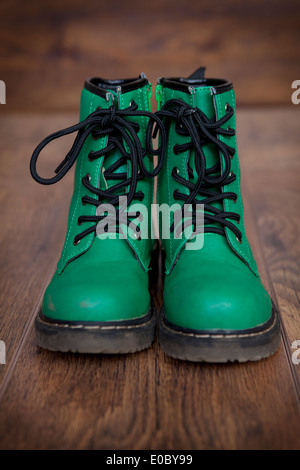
(149, 94)
(110, 97)
(193, 93)
(158, 96)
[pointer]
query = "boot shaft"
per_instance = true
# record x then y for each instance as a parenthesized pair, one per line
(199, 115)
(114, 158)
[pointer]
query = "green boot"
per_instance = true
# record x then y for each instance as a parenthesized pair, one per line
(98, 300)
(215, 306)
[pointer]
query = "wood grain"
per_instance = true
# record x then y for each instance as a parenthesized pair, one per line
(33, 222)
(144, 400)
(273, 185)
(48, 49)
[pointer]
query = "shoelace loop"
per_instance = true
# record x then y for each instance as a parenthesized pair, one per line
(202, 130)
(122, 135)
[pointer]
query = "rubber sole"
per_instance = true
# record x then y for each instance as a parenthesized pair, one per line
(120, 337)
(220, 346)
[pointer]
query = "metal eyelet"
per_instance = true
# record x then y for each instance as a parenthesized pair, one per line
(175, 170)
(227, 107)
(240, 240)
(78, 222)
(132, 102)
(231, 174)
(90, 158)
(76, 242)
(83, 202)
(88, 176)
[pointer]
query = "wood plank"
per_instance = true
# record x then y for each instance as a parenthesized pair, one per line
(33, 222)
(271, 166)
(146, 401)
(249, 43)
(231, 407)
(140, 401)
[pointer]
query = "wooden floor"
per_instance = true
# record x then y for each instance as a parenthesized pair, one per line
(146, 400)
(48, 48)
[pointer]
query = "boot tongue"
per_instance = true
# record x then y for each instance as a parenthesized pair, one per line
(204, 101)
(196, 91)
(100, 88)
(104, 93)
(200, 88)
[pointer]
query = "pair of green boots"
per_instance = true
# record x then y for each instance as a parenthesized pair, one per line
(215, 307)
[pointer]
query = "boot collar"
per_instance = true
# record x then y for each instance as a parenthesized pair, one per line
(217, 85)
(100, 86)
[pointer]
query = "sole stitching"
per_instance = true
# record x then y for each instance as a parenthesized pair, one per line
(248, 335)
(95, 327)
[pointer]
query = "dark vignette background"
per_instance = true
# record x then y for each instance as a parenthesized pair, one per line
(48, 47)
(146, 400)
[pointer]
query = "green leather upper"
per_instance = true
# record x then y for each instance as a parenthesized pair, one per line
(218, 286)
(89, 103)
(104, 284)
(102, 279)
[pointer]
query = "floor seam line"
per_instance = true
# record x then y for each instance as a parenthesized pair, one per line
(284, 335)
(7, 377)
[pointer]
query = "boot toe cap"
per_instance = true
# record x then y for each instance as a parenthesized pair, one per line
(216, 298)
(114, 293)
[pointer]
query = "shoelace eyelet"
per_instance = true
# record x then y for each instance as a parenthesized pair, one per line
(94, 137)
(76, 242)
(202, 129)
(240, 240)
(140, 196)
(113, 123)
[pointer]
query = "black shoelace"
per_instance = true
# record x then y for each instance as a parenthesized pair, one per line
(121, 133)
(209, 181)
